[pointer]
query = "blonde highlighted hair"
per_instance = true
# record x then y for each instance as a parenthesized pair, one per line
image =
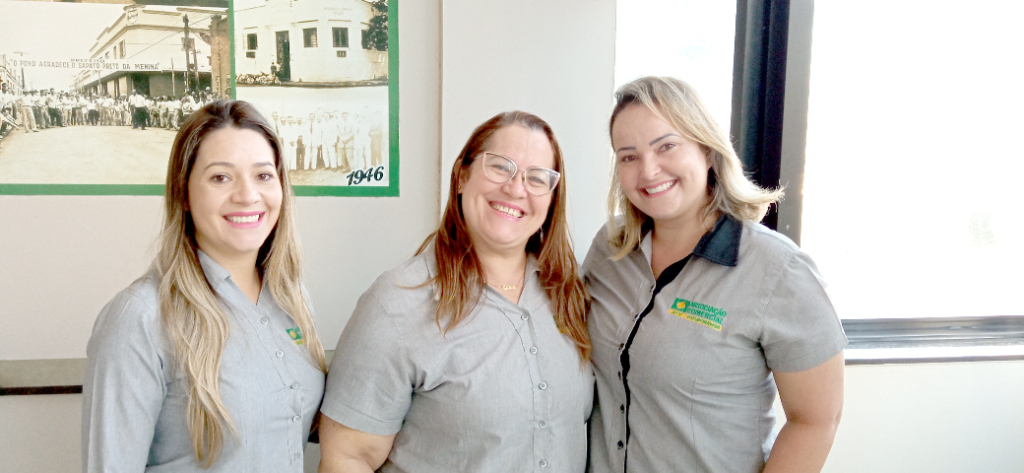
(730, 191)
(195, 323)
(459, 280)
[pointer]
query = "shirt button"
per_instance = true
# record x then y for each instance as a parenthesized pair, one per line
(543, 463)
(542, 385)
(296, 419)
(526, 316)
(622, 408)
(295, 386)
(280, 354)
(533, 350)
(621, 445)
(297, 456)
(264, 321)
(542, 424)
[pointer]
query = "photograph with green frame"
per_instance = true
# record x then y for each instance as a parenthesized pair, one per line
(95, 112)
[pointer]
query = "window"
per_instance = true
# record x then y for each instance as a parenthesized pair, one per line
(250, 41)
(121, 49)
(309, 37)
(340, 37)
(905, 199)
(911, 178)
(689, 39)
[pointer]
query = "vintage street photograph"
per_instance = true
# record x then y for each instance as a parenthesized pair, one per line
(93, 93)
(318, 69)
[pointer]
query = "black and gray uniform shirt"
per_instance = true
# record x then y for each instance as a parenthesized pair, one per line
(684, 363)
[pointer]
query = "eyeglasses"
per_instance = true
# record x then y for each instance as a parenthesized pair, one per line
(537, 180)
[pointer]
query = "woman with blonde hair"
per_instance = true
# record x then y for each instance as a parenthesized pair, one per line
(472, 355)
(210, 361)
(699, 312)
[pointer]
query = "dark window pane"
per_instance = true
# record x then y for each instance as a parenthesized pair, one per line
(340, 37)
(309, 37)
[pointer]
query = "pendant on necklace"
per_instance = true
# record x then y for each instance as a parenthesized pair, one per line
(508, 287)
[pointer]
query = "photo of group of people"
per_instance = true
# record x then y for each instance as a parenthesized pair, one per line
(330, 141)
(91, 94)
(34, 110)
(72, 111)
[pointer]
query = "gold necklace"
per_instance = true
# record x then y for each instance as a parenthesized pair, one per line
(510, 287)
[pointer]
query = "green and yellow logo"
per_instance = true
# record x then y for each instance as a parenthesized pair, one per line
(696, 312)
(296, 334)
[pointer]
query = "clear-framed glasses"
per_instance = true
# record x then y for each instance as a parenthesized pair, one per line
(537, 180)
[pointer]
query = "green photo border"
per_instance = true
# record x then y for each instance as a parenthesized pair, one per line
(391, 190)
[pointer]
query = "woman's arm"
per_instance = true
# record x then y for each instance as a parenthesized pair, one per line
(347, 450)
(813, 401)
(123, 388)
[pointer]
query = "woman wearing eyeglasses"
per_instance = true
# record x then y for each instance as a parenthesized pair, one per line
(473, 354)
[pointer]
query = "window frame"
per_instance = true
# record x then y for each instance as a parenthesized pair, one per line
(771, 88)
(310, 40)
(334, 37)
(251, 42)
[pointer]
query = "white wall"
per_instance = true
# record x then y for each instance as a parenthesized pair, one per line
(554, 59)
(935, 418)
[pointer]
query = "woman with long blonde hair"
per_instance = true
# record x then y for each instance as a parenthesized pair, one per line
(699, 312)
(472, 355)
(210, 361)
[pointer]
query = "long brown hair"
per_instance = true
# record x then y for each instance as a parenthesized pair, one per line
(459, 279)
(195, 323)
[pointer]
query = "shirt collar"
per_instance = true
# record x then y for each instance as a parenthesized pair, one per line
(214, 272)
(720, 245)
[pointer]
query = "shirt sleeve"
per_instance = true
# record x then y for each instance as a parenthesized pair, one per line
(370, 382)
(801, 328)
(124, 386)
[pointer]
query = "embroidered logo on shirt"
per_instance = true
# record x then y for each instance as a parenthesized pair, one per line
(696, 312)
(296, 334)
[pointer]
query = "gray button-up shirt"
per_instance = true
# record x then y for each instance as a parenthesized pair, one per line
(698, 393)
(501, 391)
(134, 403)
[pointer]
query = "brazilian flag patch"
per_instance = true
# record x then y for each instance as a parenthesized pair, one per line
(696, 312)
(296, 334)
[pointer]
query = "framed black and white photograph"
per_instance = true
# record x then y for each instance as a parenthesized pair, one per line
(322, 71)
(93, 93)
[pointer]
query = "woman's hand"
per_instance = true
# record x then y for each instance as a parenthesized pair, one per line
(813, 401)
(347, 450)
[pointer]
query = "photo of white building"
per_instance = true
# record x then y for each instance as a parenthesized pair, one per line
(9, 76)
(155, 36)
(308, 41)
